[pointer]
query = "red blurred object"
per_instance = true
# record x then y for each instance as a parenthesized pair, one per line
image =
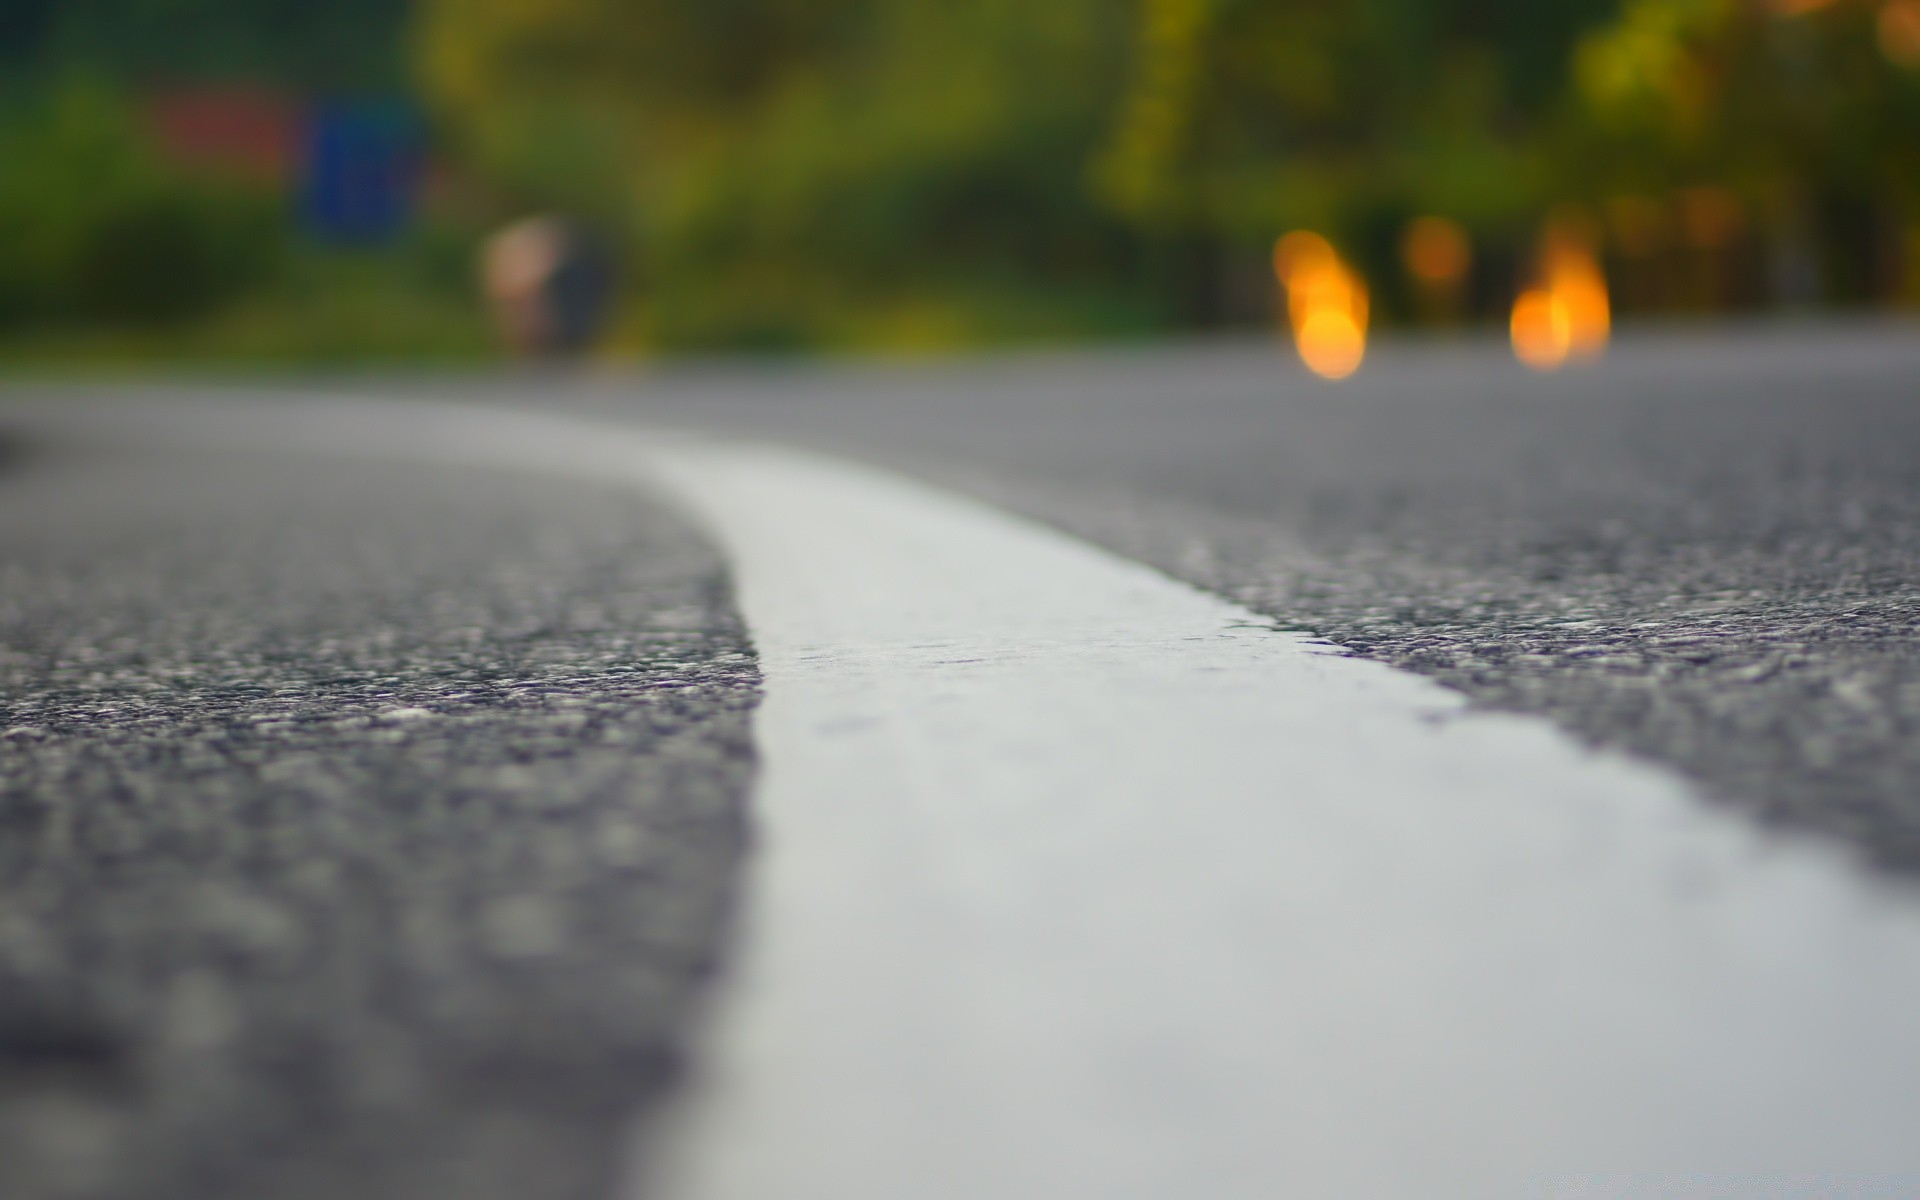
(247, 131)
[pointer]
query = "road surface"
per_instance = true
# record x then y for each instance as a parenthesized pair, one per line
(365, 827)
(373, 822)
(1704, 550)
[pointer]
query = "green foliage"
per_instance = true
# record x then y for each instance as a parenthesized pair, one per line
(98, 230)
(322, 308)
(1714, 90)
(1249, 115)
(777, 163)
(792, 162)
(781, 174)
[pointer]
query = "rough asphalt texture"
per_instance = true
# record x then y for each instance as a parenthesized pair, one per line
(1705, 549)
(365, 831)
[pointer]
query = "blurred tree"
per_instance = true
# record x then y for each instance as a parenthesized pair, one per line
(98, 229)
(1247, 115)
(790, 167)
(789, 171)
(1795, 113)
(781, 156)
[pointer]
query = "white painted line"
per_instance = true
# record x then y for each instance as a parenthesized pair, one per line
(1074, 883)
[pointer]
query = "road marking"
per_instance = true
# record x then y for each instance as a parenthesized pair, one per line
(1075, 882)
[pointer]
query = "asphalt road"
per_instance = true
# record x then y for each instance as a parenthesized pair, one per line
(1704, 549)
(365, 830)
(371, 827)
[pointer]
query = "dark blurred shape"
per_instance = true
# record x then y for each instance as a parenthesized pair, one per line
(548, 280)
(296, 44)
(167, 257)
(363, 170)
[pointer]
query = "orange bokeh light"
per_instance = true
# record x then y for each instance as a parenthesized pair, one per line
(1436, 251)
(1331, 343)
(1568, 317)
(1710, 217)
(1300, 253)
(1326, 304)
(1542, 334)
(1898, 29)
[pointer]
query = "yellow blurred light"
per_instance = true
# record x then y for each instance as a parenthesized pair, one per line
(1436, 251)
(1542, 332)
(1568, 317)
(1898, 29)
(1331, 343)
(1299, 253)
(1581, 290)
(1331, 287)
(1326, 304)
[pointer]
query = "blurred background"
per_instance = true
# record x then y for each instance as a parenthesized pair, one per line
(278, 181)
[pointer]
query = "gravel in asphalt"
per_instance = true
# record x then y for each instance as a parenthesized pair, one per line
(365, 830)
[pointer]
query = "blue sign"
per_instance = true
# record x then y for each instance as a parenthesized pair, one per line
(363, 169)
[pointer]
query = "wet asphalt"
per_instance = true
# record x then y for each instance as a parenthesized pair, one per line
(365, 830)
